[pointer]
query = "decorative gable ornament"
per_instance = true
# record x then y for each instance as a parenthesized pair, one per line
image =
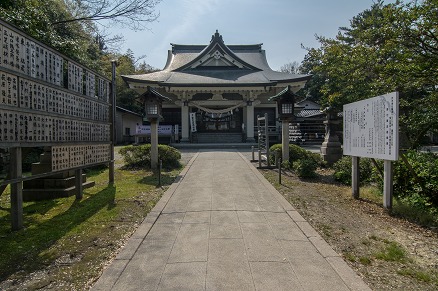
(217, 54)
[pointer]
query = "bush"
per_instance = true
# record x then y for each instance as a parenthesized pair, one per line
(301, 161)
(343, 170)
(140, 156)
(295, 153)
(305, 168)
(421, 190)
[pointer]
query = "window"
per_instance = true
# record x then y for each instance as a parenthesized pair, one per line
(127, 131)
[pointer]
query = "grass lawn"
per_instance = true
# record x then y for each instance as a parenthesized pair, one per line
(65, 243)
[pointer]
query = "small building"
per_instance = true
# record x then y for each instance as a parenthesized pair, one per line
(126, 123)
(309, 123)
(217, 90)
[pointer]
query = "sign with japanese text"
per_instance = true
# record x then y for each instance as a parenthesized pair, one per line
(146, 130)
(371, 127)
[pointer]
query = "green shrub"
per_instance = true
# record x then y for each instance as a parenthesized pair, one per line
(305, 168)
(295, 153)
(343, 170)
(140, 156)
(420, 188)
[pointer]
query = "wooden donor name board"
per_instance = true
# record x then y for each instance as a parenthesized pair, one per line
(47, 99)
(371, 127)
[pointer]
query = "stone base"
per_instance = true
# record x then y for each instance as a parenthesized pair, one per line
(331, 152)
(250, 140)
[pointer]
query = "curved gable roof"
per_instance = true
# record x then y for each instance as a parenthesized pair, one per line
(216, 64)
(220, 53)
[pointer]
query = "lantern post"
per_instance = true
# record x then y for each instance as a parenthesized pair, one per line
(153, 109)
(286, 106)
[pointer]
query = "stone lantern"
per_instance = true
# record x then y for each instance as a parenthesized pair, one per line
(153, 100)
(331, 148)
(286, 106)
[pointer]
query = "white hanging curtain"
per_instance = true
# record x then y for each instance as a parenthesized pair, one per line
(217, 111)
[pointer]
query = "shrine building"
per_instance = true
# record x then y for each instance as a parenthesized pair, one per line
(217, 90)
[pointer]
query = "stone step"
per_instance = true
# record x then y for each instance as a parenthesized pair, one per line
(52, 182)
(43, 194)
(218, 138)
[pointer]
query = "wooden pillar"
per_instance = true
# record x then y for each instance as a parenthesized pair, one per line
(355, 177)
(285, 139)
(16, 189)
(154, 144)
(113, 137)
(78, 184)
(185, 123)
(387, 184)
(250, 123)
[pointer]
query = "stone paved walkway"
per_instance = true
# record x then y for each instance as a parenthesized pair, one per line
(222, 226)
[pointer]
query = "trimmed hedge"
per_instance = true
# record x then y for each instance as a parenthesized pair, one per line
(140, 156)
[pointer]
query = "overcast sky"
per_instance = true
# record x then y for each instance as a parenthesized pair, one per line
(281, 25)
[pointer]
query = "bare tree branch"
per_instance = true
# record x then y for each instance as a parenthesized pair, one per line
(134, 14)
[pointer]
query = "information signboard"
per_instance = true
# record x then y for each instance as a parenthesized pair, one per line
(146, 130)
(371, 127)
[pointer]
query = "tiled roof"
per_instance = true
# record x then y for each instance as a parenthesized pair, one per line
(246, 65)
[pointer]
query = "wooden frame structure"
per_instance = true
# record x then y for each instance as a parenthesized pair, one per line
(49, 100)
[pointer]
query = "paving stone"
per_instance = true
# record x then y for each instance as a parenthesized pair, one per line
(323, 247)
(351, 279)
(295, 216)
(129, 249)
(171, 217)
(228, 267)
(222, 203)
(312, 270)
(176, 205)
(164, 232)
(191, 244)
(269, 205)
(197, 217)
(197, 240)
(184, 276)
(274, 276)
(288, 231)
(244, 203)
(225, 231)
(307, 229)
(261, 244)
(144, 270)
(110, 275)
(250, 216)
(198, 205)
(142, 230)
(224, 217)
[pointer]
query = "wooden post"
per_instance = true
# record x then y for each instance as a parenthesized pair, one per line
(113, 121)
(160, 167)
(154, 144)
(78, 184)
(279, 170)
(16, 189)
(285, 139)
(355, 176)
(387, 184)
